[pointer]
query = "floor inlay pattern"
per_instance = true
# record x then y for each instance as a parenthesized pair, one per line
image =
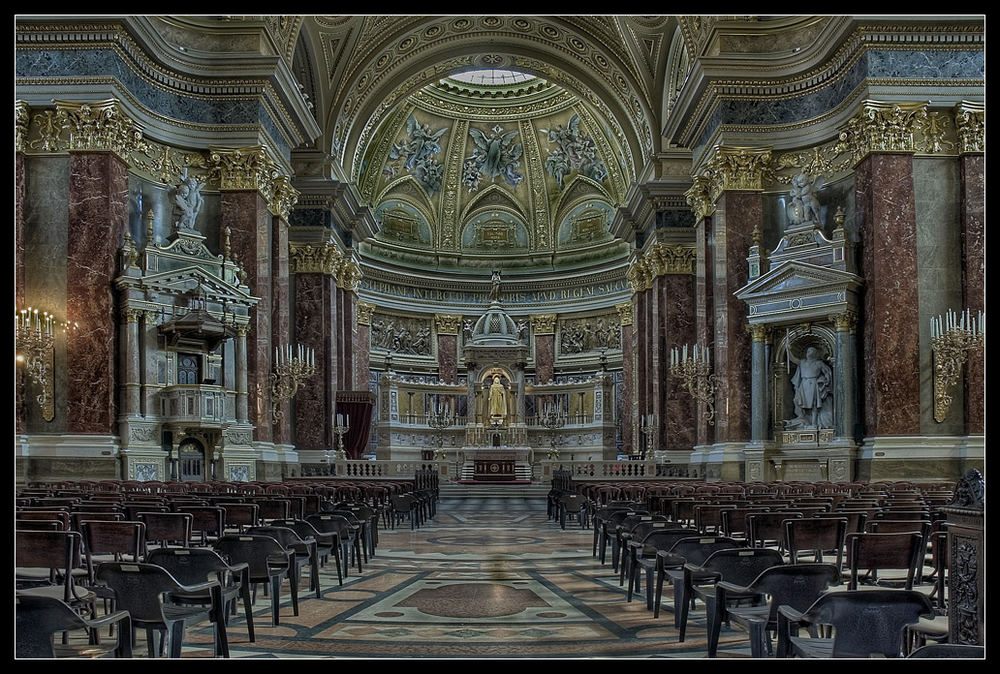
(483, 579)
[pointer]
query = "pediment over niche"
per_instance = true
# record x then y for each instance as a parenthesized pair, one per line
(795, 291)
(190, 279)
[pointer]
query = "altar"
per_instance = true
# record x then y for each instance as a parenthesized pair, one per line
(496, 465)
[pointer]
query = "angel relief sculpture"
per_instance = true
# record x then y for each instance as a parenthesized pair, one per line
(187, 202)
(418, 151)
(495, 155)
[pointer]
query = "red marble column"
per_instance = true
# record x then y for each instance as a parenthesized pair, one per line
(448, 358)
(19, 303)
(315, 401)
(655, 360)
(348, 299)
(98, 213)
(704, 305)
(545, 356)
(679, 412)
(973, 214)
(282, 432)
(641, 347)
(247, 216)
(362, 357)
(886, 213)
(628, 387)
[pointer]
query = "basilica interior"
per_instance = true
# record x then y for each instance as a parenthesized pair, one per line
(499, 250)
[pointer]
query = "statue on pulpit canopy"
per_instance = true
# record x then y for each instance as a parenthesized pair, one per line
(812, 380)
(497, 401)
(187, 202)
(804, 206)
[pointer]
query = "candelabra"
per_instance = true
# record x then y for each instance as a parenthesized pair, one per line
(290, 368)
(342, 425)
(648, 428)
(695, 370)
(552, 420)
(439, 421)
(34, 335)
(951, 337)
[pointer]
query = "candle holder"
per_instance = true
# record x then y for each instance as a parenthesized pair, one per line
(952, 336)
(340, 427)
(439, 421)
(648, 428)
(695, 371)
(290, 368)
(34, 336)
(553, 421)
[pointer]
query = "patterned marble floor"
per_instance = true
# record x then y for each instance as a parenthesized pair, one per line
(487, 578)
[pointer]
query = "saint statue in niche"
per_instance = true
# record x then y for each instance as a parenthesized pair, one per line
(804, 206)
(495, 286)
(497, 401)
(812, 381)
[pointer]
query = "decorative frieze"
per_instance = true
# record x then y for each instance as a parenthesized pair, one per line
(100, 126)
(401, 335)
(324, 258)
(970, 123)
(594, 333)
(447, 324)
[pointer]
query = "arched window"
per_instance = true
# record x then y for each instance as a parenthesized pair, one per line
(187, 369)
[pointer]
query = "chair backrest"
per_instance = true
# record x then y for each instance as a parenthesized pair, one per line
(330, 523)
(708, 517)
(302, 528)
(643, 527)
(273, 509)
(573, 502)
(734, 520)
(260, 552)
(206, 520)
(769, 526)
(795, 585)
(240, 515)
(696, 549)
(872, 552)
(119, 538)
(867, 622)
(190, 566)
(38, 617)
(742, 565)
(816, 534)
(856, 519)
(61, 516)
(167, 527)
(59, 551)
(284, 535)
(138, 588)
(950, 651)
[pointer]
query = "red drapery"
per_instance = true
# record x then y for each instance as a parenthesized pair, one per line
(358, 407)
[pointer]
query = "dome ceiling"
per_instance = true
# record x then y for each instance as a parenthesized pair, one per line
(492, 167)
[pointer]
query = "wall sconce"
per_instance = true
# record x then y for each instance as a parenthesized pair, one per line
(34, 335)
(951, 337)
(290, 368)
(695, 370)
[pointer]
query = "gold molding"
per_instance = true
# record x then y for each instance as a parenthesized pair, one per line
(308, 258)
(22, 120)
(845, 321)
(244, 168)
(759, 332)
(626, 313)
(881, 127)
(659, 260)
(448, 324)
(349, 275)
(100, 126)
(738, 168)
(365, 311)
(699, 197)
(970, 124)
(544, 324)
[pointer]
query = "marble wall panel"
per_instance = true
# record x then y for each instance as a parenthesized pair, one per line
(680, 422)
(656, 363)
(739, 213)
(704, 302)
(973, 223)
(315, 309)
(280, 314)
(98, 213)
(362, 357)
(641, 340)
(890, 340)
(545, 348)
(249, 220)
(447, 353)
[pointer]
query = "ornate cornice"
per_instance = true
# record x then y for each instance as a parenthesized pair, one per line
(626, 313)
(970, 123)
(448, 324)
(309, 258)
(660, 259)
(543, 324)
(100, 126)
(365, 311)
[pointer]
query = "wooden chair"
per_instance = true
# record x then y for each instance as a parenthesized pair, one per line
(816, 535)
(871, 553)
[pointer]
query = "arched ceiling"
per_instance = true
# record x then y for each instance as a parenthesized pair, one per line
(520, 172)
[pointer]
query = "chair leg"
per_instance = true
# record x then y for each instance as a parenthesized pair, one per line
(714, 625)
(275, 591)
(248, 611)
(176, 639)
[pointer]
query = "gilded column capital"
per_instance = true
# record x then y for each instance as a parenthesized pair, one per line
(22, 119)
(543, 324)
(283, 198)
(365, 311)
(132, 314)
(673, 259)
(883, 128)
(636, 275)
(100, 126)
(323, 258)
(760, 332)
(699, 197)
(626, 313)
(970, 124)
(738, 168)
(242, 329)
(448, 324)
(845, 321)
(250, 168)
(349, 277)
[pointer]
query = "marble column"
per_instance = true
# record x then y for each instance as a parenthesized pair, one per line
(98, 213)
(679, 411)
(886, 215)
(447, 326)
(973, 214)
(363, 347)
(282, 432)
(656, 361)
(348, 300)
(738, 214)
(543, 330)
(246, 214)
(760, 336)
(844, 394)
(130, 378)
(19, 252)
(704, 306)
(625, 315)
(639, 300)
(240, 356)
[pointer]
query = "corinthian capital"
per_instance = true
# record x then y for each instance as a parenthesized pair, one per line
(883, 127)
(323, 258)
(970, 123)
(100, 126)
(739, 168)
